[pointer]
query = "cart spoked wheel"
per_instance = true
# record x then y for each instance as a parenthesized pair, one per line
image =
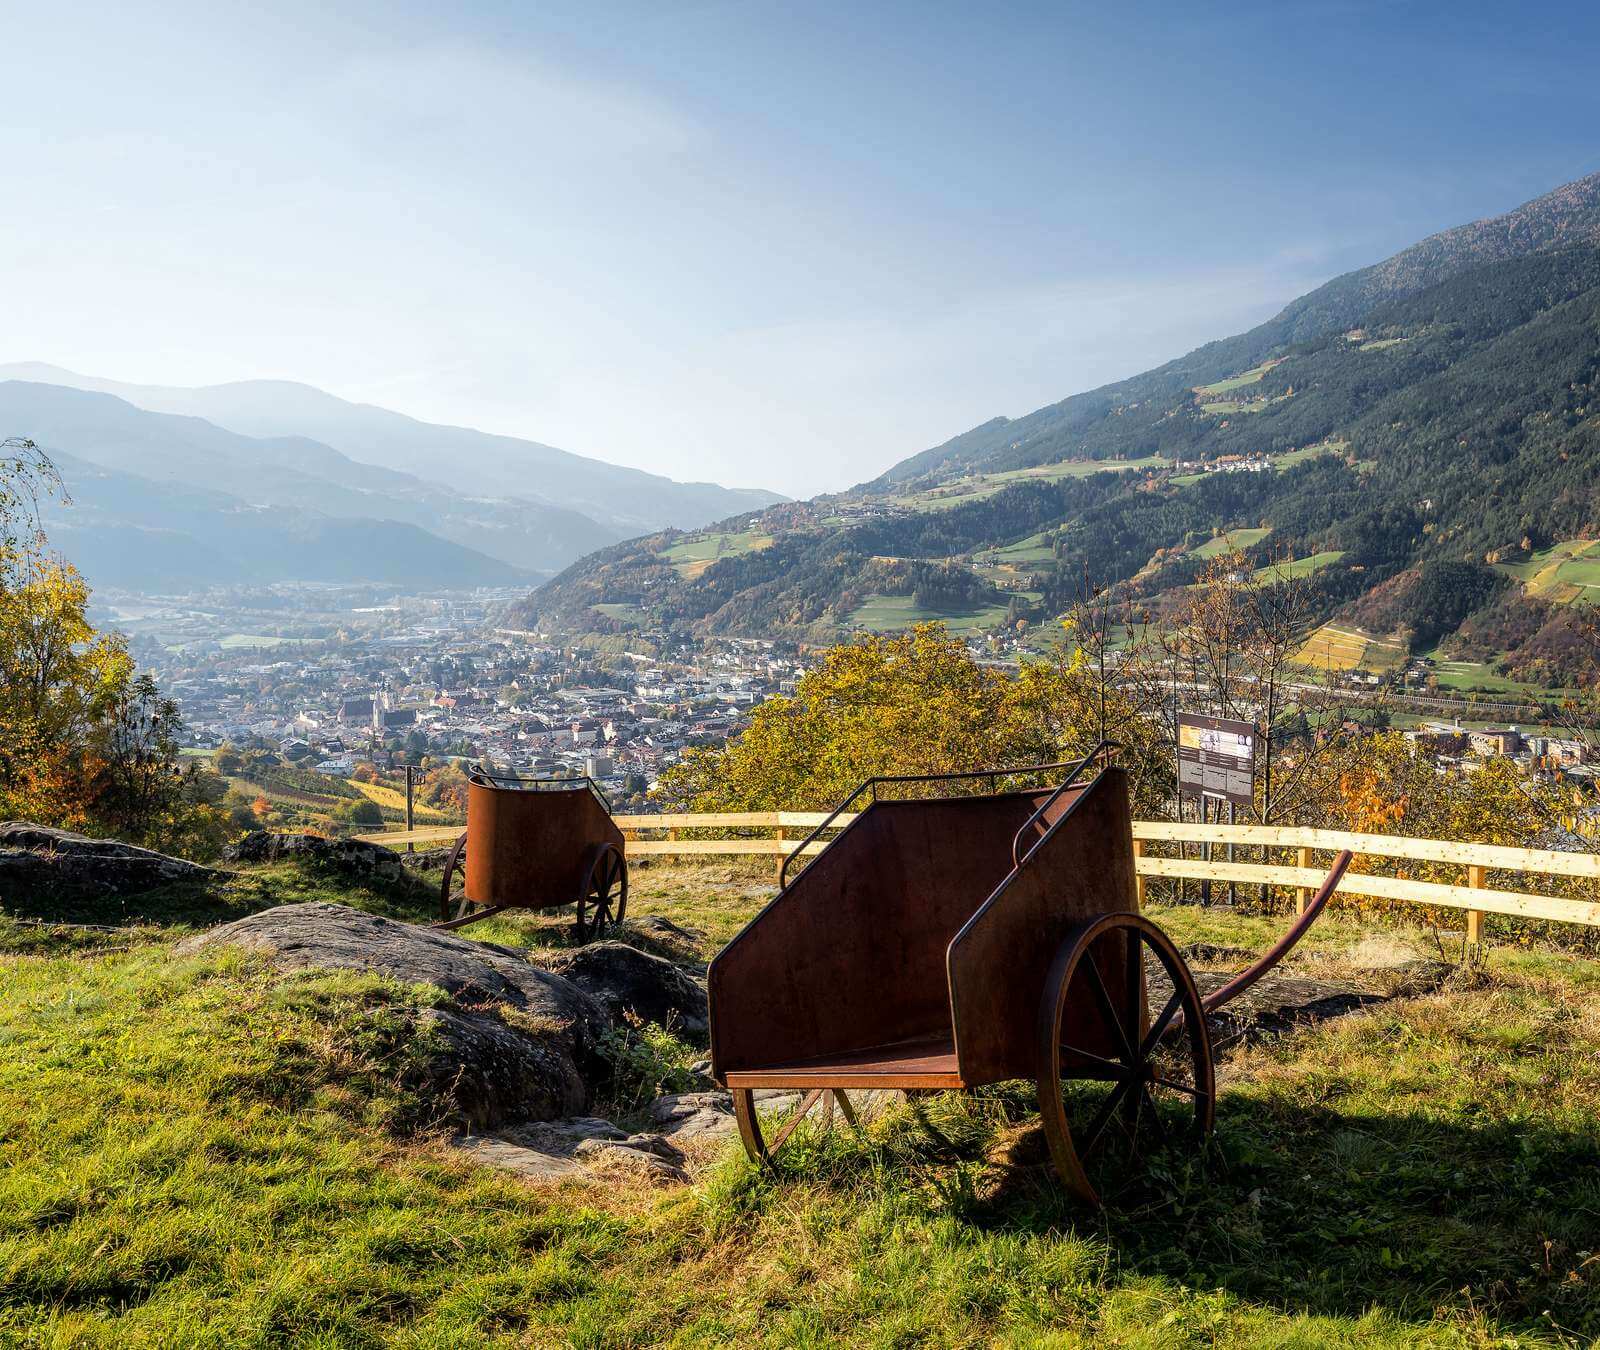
(603, 902)
(1112, 1086)
(453, 902)
(758, 1146)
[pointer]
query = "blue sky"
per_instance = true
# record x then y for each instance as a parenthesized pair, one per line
(767, 244)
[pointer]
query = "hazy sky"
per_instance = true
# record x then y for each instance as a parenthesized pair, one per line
(778, 245)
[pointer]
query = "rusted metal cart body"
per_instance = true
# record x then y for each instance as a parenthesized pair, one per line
(949, 943)
(536, 843)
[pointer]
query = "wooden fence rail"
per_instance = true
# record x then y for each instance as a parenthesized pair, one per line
(781, 833)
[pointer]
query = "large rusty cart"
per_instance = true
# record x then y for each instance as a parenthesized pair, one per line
(536, 843)
(948, 942)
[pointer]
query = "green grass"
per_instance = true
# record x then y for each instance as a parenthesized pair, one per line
(887, 613)
(1479, 677)
(200, 1150)
(1078, 468)
(626, 613)
(1565, 573)
(976, 487)
(693, 556)
(1298, 567)
(1030, 550)
(1251, 376)
(1228, 406)
(1299, 456)
(1230, 541)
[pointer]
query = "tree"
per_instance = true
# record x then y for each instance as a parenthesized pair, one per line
(59, 678)
(142, 793)
(365, 812)
(915, 703)
(1228, 647)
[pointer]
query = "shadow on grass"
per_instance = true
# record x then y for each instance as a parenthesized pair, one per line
(188, 905)
(1302, 1209)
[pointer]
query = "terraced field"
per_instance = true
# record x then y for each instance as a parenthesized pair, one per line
(1227, 407)
(1298, 567)
(626, 613)
(691, 557)
(1309, 452)
(889, 613)
(394, 799)
(1567, 573)
(1077, 468)
(1229, 541)
(975, 487)
(1331, 648)
(1032, 549)
(1251, 376)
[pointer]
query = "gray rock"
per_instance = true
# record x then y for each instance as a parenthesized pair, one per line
(582, 1145)
(649, 1163)
(623, 979)
(518, 1158)
(694, 1115)
(563, 1136)
(656, 1144)
(515, 1042)
(39, 862)
(660, 937)
(348, 855)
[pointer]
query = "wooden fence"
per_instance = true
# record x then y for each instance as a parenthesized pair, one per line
(1164, 850)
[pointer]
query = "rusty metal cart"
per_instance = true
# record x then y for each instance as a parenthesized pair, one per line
(536, 843)
(944, 942)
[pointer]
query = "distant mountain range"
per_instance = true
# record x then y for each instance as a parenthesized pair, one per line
(1437, 409)
(377, 491)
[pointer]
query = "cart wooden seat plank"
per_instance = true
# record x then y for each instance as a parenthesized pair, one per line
(928, 1062)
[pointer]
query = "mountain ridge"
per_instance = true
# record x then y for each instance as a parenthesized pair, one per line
(1437, 406)
(468, 461)
(1569, 214)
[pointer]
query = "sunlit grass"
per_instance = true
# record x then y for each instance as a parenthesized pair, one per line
(200, 1150)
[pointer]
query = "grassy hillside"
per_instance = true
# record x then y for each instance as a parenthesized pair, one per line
(202, 1150)
(1456, 424)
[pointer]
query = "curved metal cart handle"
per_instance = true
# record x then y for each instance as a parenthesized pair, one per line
(1284, 945)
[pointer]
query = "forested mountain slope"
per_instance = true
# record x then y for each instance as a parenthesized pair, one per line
(1438, 408)
(1092, 424)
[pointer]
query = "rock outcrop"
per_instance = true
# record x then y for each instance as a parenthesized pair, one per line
(514, 1042)
(348, 855)
(623, 979)
(39, 862)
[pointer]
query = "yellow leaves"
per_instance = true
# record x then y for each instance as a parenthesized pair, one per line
(916, 702)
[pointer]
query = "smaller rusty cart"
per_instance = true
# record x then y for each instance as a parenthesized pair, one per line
(536, 843)
(948, 942)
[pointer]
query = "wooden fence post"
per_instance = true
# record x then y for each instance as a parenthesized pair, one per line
(1302, 897)
(781, 836)
(1138, 879)
(1475, 879)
